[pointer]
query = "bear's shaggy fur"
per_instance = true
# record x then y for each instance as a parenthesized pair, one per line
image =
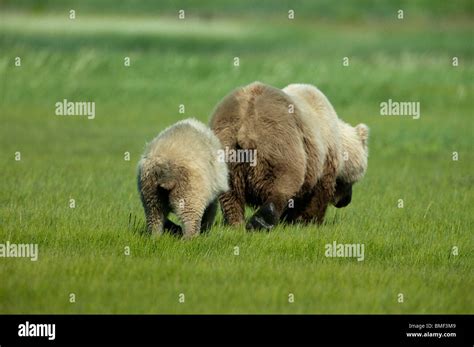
(179, 172)
(306, 156)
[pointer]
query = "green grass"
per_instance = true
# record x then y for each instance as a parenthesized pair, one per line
(81, 250)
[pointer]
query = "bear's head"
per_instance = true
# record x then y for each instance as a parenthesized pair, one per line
(353, 163)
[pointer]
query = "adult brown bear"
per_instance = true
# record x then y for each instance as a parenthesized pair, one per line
(307, 157)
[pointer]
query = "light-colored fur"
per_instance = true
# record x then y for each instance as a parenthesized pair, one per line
(331, 132)
(180, 172)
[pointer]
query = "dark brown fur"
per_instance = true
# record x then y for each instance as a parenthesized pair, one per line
(287, 160)
(312, 202)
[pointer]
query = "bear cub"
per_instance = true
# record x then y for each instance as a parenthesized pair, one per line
(180, 173)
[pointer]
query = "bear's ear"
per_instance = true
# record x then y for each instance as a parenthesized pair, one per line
(363, 132)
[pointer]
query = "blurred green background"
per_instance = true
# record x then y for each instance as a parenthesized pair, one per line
(191, 62)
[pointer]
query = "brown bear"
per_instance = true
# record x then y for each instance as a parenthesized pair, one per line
(306, 157)
(180, 172)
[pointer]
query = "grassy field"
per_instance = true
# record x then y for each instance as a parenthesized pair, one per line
(408, 250)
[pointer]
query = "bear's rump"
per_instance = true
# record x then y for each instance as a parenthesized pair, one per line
(263, 119)
(278, 141)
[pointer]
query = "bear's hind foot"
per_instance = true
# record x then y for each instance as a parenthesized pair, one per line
(264, 219)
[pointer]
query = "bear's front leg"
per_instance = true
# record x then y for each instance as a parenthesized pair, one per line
(315, 210)
(209, 216)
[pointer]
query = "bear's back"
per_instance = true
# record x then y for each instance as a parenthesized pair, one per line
(319, 115)
(190, 144)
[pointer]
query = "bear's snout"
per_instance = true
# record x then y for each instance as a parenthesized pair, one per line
(343, 194)
(344, 201)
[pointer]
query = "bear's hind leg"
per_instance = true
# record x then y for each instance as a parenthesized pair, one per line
(189, 208)
(191, 218)
(155, 205)
(233, 201)
(268, 215)
(278, 191)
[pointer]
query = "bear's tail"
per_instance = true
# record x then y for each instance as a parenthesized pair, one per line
(244, 139)
(157, 172)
